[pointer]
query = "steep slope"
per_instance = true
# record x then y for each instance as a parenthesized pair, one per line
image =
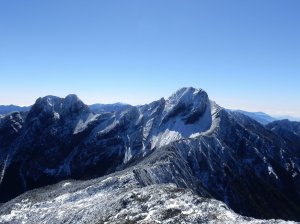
(62, 138)
(118, 198)
(246, 167)
(39, 143)
(186, 140)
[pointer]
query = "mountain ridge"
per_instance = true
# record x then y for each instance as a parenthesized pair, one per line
(186, 140)
(261, 117)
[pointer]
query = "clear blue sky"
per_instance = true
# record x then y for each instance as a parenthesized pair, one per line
(245, 54)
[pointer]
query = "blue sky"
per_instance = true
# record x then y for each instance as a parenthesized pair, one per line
(245, 54)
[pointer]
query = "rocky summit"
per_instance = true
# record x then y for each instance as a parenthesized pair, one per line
(183, 159)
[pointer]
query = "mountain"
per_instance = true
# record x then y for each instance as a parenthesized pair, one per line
(286, 117)
(118, 199)
(116, 107)
(264, 118)
(289, 131)
(285, 126)
(260, 117)
(186, 148)
(5, 109)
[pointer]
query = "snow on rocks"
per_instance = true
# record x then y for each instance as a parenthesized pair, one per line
(108, 200)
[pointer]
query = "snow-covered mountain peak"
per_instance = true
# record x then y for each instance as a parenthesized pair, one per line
(188, 104)
(186, 114)
(186, 95)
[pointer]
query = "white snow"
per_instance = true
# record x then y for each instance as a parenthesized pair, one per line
(271, 171)
(183, 96)
(56, 116)
(66, 184)
(165, 138)
(128, 155)
(214, 108)
(294, 174)
(3, 168)
(84, 122)
(176, 129)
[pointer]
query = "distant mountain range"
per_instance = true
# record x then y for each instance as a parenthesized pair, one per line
(164, 162)
(264, 118)
(287, 117)
(260, 117)
(5, 109)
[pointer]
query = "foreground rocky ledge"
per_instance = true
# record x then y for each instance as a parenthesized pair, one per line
(117, 199)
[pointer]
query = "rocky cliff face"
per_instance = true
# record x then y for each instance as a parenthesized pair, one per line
(186, 140)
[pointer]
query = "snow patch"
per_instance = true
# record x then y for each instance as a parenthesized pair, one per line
(272, 172)
(165, 138)
(66, 184)
(83, 123)
(56, 116)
